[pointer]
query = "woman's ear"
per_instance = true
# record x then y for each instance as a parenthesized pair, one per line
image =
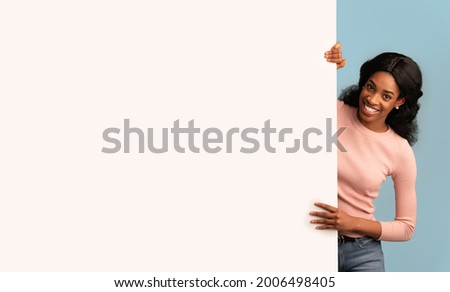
(400, 101)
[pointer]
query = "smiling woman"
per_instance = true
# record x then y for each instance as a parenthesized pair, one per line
(400, 88)
(380, 116)
(379, 96)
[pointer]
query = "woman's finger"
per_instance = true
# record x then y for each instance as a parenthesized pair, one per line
(323, 214)
(341, 64)
(337, 45)
(326, 227)
(335, 60)
(324, 221)
(335, 55)
(326, 207)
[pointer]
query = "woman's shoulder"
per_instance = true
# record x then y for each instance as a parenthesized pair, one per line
(342, 105)
(403, 144)
(404, 154)
(344, 111)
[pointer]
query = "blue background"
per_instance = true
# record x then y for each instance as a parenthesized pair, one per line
(420, 30)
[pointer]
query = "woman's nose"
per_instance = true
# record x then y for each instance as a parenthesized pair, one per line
(373, 98)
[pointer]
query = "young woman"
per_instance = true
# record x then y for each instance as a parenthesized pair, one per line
(379, 114)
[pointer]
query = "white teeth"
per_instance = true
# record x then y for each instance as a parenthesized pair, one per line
(369, 109)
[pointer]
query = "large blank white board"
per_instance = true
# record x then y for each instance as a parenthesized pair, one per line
(71, 69)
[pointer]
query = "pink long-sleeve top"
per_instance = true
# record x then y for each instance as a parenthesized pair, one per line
(369, 159)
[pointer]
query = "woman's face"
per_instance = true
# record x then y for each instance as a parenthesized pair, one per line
(378, 97)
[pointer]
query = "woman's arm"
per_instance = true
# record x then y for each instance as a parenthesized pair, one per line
(402, 227)
(403, 175)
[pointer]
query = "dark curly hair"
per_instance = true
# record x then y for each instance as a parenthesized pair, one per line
(408, 77)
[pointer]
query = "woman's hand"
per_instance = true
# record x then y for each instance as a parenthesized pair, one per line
(335, 56)
(336, 219)
(332, 218)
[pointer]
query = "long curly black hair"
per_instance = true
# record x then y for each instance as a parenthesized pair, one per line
(408, 77)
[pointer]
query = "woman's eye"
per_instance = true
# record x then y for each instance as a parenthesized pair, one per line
(387, 97)
(369, 86)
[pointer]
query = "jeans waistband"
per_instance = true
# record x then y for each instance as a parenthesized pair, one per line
(343, 239)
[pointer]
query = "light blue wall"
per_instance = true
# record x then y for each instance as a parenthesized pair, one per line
(421, 30)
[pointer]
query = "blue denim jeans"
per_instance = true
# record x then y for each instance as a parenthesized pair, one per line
(362, 255)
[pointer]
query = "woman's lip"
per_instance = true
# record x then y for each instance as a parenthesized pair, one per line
(366, 112)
